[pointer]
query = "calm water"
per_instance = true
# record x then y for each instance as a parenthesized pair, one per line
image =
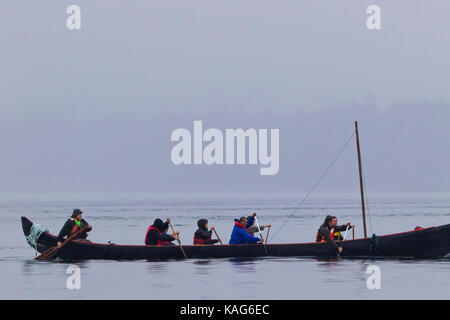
(125, 220)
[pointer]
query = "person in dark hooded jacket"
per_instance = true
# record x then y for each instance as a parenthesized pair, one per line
(203, 235)
(156, 234)
(327, 230)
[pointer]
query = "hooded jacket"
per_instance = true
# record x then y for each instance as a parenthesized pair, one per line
(239, 235)
(155, 237)
(203, 235)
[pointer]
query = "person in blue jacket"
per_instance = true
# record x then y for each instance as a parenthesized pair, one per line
(240, 234)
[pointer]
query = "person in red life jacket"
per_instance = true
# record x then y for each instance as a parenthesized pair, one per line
(157, 236)
(203, 235)
(72, 226)
(239, 235)
(328, 229)
(252, 228)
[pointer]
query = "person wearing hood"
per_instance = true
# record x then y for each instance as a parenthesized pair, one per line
(72, 226)
(252, 227)
(329, 228)
(156, 235)
(240, 235)
(203, 235)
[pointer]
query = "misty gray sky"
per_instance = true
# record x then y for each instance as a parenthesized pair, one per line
(93, 110)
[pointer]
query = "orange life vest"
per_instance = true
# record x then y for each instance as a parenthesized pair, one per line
(201, 240)
(323, 238)
(158, 242)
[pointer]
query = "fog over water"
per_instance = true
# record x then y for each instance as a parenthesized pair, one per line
(92, 110)
(86, 118)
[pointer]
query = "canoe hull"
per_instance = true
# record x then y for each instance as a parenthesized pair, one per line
(427, 243)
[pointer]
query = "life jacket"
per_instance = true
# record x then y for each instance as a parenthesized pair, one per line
(338, 236)
(75, 229)
(201, 240)
(323, 238)
(158, 242)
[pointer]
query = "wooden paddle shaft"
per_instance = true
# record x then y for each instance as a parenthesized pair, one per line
(74, 236)
(217, 236)
(52, 251)
(179, 241)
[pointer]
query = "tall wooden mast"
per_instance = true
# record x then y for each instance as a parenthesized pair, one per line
(361, 184)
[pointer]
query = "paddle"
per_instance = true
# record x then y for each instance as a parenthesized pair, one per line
(257, 224)
(179, 242)
(217, 236)
(345, 234)
(267, 235)
(48, 254)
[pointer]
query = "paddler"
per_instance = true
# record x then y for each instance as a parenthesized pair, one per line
(240, 235)
(329, 228)
(72, 226)
(203, 235)
(157, 236)
(252, 227)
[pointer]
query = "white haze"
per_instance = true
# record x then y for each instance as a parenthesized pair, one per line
(93, 110)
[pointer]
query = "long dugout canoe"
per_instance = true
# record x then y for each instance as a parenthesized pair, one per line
(433, 242)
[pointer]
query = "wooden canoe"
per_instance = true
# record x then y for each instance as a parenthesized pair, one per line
(433, 242)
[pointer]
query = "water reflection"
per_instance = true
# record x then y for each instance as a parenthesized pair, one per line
(328, 263)
(202, 262)
(244, 264)
(203, 266)
(157, 266)
(159, 274)
(32, 267)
